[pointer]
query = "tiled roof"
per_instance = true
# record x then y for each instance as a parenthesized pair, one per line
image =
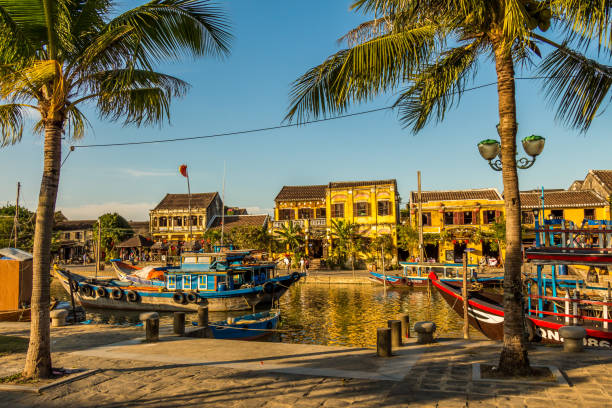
(455, 195)
(233, 221)
(298, 193)
(176, 201)
(74, 225)
(136, 241)
(348, 184)
(605, 176)
(562, 199)
(136, 225)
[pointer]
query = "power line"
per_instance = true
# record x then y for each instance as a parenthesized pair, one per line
(264, 129)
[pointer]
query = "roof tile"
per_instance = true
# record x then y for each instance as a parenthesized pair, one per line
(298, 193)
(177, 201)
(234, 221)
(562, 199)
(490, 194)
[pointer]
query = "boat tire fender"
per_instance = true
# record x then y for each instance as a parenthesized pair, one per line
(179, 297)
(101, 292)
(295, 276)
(117, 294)
(191, 297)
(268, 287)
(87, 290)
(132, 296)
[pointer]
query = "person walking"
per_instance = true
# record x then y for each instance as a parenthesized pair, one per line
(302, 264)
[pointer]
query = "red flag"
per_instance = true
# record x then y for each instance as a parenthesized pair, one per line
(183, 170)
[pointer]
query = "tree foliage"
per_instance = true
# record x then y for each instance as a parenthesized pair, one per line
(113, 230)
(249, 237)
(346, 241)
(26, 223)
(292, 237)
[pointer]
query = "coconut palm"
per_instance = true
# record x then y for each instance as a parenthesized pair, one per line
(292, 236)
(346, 240)
(56, 56)
(433, 48)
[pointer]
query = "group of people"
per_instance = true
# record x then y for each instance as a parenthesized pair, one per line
(304, 262)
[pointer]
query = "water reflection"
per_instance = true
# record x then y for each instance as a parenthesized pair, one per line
(343, 315)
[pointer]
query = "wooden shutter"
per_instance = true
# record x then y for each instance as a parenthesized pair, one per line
(497, 215)
(485, 217)
(456, 218)
(475, 217)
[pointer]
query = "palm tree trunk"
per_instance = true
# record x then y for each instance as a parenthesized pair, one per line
(513, 358)
(38, 359)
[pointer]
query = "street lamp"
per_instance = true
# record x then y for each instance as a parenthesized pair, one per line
(533, 146)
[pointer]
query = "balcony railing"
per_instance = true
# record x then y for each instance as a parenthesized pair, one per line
(318, 222)
(302, 223)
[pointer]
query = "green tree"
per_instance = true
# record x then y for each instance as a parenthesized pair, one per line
(383, 242)
(346, 241)
(434, 48)
(25, 228)
(212, 237)
(113, 230)
(249, 237)
(292, 237)
(57, 55)
(407, 237)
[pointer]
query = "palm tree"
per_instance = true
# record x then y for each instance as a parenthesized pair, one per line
(292, 237)
(348, 242)
(57, 55)
(434, 46)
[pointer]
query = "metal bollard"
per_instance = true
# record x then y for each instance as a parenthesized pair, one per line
(151, 323)
(202, 316)
(425, 332)
(405, 319)
(383, 342)
(179, 323)
(396, 332)
(58, 317)
(573, 338)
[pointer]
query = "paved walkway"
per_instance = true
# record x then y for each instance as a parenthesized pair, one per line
(215, 373)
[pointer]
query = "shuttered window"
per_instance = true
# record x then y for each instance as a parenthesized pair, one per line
(337, 210)
(320, 212)
(305, 213)
(361, 209)
(384, 208)
(286, 214)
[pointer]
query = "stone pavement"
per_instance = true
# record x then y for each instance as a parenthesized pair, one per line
(441, 377)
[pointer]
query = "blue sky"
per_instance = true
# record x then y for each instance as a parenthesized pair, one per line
(275, 42)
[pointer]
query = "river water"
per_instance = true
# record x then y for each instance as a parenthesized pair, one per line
(341, 315)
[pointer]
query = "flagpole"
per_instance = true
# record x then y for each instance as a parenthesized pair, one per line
(223, 204)
(189, 194)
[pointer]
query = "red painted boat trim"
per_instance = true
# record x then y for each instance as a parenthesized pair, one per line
(477, 305)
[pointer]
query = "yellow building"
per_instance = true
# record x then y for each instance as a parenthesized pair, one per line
(169, 220)
(456, 220)
(574, 206)
(373, 205)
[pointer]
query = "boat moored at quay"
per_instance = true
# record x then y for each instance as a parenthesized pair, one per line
(222, 281)
(416, 274)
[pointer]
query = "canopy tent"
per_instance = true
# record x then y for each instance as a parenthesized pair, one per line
(137, 241)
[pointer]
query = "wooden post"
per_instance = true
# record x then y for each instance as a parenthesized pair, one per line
(605, 312)
(405, 319)
(16, 223)
(383, 342)
(382, 260)
(98, 248)
(202, 316)
(575, 309)
(396, 332)
(464, 294)
(179, 323)
(567, 309)
(151, 323)
(420, 219)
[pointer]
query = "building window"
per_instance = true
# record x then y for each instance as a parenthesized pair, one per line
(77, 235)
(527, 217)
(337, 210)
(426, 219)
(384, 208)
(305, 213)
(556, 215)
(67, 235)
(162, 221)
(467, 218)
(285, 214)
(361, 209)
(488, 217)
(449, 218)
(321, 212)
(589, 213)
(178, 221)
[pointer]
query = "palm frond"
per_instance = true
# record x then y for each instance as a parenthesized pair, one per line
(579, 86)
(360, 73)
(135, 106)
(77, 123)
(585, 21)
(27, 81)
(118, 80)
(438, 87)
(11, 123)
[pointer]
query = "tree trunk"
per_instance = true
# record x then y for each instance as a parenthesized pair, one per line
(513, 359)
(38, 360)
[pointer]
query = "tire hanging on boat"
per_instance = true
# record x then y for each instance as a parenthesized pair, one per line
(132, 296)
(87, 290)
(179, 297)
(191, 297)
(101, 292)
(117, 294)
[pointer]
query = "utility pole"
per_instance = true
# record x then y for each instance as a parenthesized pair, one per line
(466, 327)
(16, 223)
(420, 219)
(98, 248)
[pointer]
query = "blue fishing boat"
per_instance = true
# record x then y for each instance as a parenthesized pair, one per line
(223, 281)
(247, 327)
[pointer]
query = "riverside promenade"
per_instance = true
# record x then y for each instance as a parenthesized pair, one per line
(196, 372)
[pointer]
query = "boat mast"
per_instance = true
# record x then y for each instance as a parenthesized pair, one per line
(420, 218)
(223, 204)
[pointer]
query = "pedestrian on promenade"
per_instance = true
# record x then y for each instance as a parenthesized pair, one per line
(302, 264)
(287, 262)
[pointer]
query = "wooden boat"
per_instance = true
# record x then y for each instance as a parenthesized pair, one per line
(413, 274)
(114, 294)
(486, 314)
(247, 327)
(18, 315)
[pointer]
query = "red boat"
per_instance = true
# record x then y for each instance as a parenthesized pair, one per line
(486, 314)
